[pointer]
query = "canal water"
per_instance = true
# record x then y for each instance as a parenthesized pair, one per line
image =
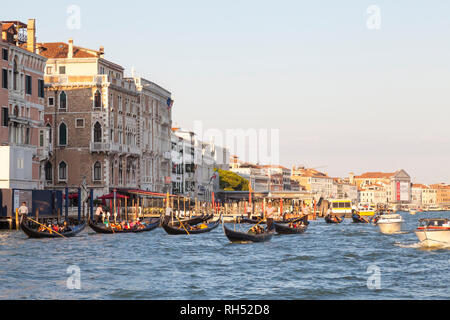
(347, 261)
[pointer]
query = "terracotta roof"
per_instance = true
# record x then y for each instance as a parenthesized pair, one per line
(275, 166)
(6, 26)
(375, 175)
(420, 186)
(59, 50)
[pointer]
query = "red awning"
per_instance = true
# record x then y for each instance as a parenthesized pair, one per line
(71, 196)
(111, 196)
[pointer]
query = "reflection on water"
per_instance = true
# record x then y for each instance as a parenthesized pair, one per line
(327, 262)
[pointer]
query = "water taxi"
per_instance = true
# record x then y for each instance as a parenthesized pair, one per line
(389, 223)
(434, 232)
(366, 210)
(341, 207)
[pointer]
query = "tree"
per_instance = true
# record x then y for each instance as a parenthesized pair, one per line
(230, 181)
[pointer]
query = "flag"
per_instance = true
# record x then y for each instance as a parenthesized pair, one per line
(170, 102)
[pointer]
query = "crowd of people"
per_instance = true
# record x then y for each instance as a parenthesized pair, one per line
(55, 227)
(104, 217)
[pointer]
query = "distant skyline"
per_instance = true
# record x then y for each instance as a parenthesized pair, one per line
(343, 96)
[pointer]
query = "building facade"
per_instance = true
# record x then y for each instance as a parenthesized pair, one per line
(22, 150)
(155, 136)
(314, 181)
(99, 122)
(397, 184)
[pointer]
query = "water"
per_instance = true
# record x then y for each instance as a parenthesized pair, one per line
(327, 262)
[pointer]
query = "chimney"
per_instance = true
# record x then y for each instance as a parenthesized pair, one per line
(70, 50)
(101, 52)
(351, 178)
(31, 35)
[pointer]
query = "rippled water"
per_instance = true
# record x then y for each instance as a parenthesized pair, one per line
(327, 262)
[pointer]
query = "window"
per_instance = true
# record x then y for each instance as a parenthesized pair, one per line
(62, 134)
(97, 132)
(97, 100)
(79, 123)
(62, 171)
(48, 171)
(5, 117)
(5, 54)
(28, 84)
(49, 70)
(4, 79)
(97, 171)
(41, 92)
(51, 101)
(63, 100)
(41, 138)
(62, 70)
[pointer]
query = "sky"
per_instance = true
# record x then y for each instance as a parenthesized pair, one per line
(344, 97)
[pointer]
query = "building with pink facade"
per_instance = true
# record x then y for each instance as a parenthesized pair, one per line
(22, 150)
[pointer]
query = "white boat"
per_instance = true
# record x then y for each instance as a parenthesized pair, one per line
(434, 232)
(390, 223)
(412, 212)
(434, 209)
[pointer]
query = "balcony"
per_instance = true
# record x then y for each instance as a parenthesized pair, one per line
(100, 147)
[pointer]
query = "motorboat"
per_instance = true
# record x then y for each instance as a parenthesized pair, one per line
(389, 223)
(434, 232)
(434, 209)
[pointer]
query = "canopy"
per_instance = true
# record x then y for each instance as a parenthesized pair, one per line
(111, 196)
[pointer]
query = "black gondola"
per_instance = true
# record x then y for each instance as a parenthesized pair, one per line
(29, 228)
(193, 220)
(333, 219)
(178, 229)
(151, 224)
(245, 237)
(301, 225)
(359, 219)
(252, 220)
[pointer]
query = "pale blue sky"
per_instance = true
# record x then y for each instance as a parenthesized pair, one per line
(343, 96)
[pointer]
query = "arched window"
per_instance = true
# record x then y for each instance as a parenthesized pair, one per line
(48, 171)
(63, 134)
(97, 132)
(63, 100)
(97, 171)
(97, 100)
(62, 171)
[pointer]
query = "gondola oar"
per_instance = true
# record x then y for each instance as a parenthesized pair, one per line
(46, 227)
(183, 226)
(255, 225)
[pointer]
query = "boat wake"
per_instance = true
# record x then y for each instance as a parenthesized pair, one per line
(419, 245)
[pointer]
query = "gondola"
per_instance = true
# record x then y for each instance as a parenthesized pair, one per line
(28, 227)
(253, 220)
(194, 220)
(359, 219)
(285, 228)
(177, 229)
(336, 220)
(245, 237)
(151, 224)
